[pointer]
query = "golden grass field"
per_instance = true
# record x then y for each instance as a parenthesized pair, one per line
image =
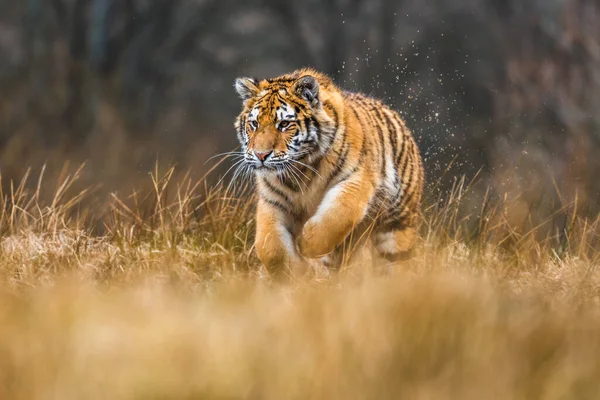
(158, 295)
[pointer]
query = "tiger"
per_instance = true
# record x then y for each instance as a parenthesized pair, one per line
(327, 163)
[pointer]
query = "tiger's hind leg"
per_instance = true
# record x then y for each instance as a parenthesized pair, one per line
(395, 244)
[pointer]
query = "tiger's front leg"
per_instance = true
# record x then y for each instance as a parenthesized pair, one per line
(274, 243)
(342, 208)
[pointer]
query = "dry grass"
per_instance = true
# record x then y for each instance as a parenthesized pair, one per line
(159, 296)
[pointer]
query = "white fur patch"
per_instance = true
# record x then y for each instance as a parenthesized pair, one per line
(390, 173)
(329, 201)
(287, 240)
(385, 242)
(285, 113)
(253, 116)
(312, 133)
(326, 259)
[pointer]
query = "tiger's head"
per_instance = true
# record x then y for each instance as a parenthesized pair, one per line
(283, 120)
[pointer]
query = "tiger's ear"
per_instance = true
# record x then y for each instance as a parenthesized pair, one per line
(307, 87)
(246, 88)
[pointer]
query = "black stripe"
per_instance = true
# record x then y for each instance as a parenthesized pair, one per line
(281, 80)
(408, 196)
(393, 134)
(374, 119)
(401, 197)
(362, 126)
(342, 139)
(348, 174)
(410, 167)
(402, 151)
(294, 144)
(277, 191)
(395, 224)
(413, 183)
(382, 140)
(403, 130)
(303, 127)
(406, 160)
(339, 166)
(336, 116)
(316, 123)
(297, 106)
(260, 99)
(332, 145)
(307, 125)
(409, 190)
(291, 183)
(397, 199)
(281, 207)
(302, 168)
(342, 154)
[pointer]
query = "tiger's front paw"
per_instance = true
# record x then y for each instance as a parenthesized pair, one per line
(314, 241)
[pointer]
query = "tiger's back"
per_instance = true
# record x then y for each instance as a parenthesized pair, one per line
(326, 162)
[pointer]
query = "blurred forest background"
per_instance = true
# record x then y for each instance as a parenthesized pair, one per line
(511, 87)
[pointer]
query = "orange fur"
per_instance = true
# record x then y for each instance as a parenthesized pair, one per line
(334, 161)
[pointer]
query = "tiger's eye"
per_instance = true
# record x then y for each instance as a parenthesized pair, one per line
(284, 124)
(253, 124)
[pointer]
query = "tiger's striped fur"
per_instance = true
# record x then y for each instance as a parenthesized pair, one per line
(327, 163)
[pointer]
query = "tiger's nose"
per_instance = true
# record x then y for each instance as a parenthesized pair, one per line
(262, 155)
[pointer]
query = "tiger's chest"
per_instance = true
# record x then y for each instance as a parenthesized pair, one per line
(302, 200)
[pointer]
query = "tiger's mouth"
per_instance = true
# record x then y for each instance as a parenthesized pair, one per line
(271, 168)
(264, 168)
(260, 166)
(278, 165)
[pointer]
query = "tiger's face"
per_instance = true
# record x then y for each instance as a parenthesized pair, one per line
(278, 125)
